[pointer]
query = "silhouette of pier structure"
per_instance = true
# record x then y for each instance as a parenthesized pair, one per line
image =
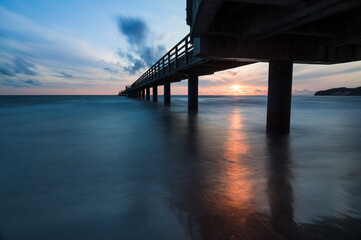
(225, 34)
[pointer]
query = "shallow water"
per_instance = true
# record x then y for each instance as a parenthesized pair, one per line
(108, 167)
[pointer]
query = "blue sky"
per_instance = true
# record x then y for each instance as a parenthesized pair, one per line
(98, 47)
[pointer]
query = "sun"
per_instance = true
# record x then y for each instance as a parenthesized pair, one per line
(236, 87)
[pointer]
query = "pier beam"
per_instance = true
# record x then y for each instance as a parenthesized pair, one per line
(279, 96)
(155, 93)
(148, 93)
(167, 93)
(193, 93)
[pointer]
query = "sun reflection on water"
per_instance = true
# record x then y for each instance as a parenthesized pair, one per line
(232, 191)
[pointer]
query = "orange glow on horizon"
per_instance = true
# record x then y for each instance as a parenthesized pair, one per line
(236, 87)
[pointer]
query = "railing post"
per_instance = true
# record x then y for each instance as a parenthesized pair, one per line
(186, 50)
(168, 62)
(176, 57)
(163, 65)
(157, 70)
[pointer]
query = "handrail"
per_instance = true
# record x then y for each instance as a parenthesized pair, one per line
(163, 66)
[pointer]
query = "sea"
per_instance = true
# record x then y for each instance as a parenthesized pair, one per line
(109, 167)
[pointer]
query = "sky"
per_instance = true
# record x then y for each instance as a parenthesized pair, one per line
(98, 47)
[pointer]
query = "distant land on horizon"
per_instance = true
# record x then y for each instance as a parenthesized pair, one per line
(342, 91)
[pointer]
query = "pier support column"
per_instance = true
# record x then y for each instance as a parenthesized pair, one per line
(167, 93)
(193, 93)
(279, 96)
(155, 93)
(148, 93)
(143, 93)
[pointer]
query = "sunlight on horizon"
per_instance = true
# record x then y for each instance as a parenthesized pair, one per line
(236, 87)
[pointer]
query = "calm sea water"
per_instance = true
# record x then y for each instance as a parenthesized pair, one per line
(109, 167)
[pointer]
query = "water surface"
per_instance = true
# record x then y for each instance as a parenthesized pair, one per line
(108, 167)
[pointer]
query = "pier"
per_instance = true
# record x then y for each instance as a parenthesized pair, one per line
(225, 34)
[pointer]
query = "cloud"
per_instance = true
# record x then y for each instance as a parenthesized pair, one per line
(232, 73)
(135, 30)
(66, 75)
(63, 74)
(110, 70)
(21, 66)
(32, 51)
(211, 82)
(11, 83)
(140, 40)
(259, 92)
(136, 63)
(20, 83)
(5, 70)
(32, 82)
(18, 66)
(303, 92)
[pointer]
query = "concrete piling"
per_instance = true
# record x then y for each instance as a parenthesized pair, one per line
(193, 93)
(167, 93)
(279, 96)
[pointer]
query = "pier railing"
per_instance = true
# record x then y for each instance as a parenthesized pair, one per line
(180, 56)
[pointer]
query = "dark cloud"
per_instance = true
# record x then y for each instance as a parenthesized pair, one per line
(21, 66)
(138, 36)
(136, 63)
(18, 66)
(5, 70)
(66, 75)
(11, 83)
(110, 70)
(63, 74)
(32, 82)
(151, 55)
(20, 83)
(135, 30)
